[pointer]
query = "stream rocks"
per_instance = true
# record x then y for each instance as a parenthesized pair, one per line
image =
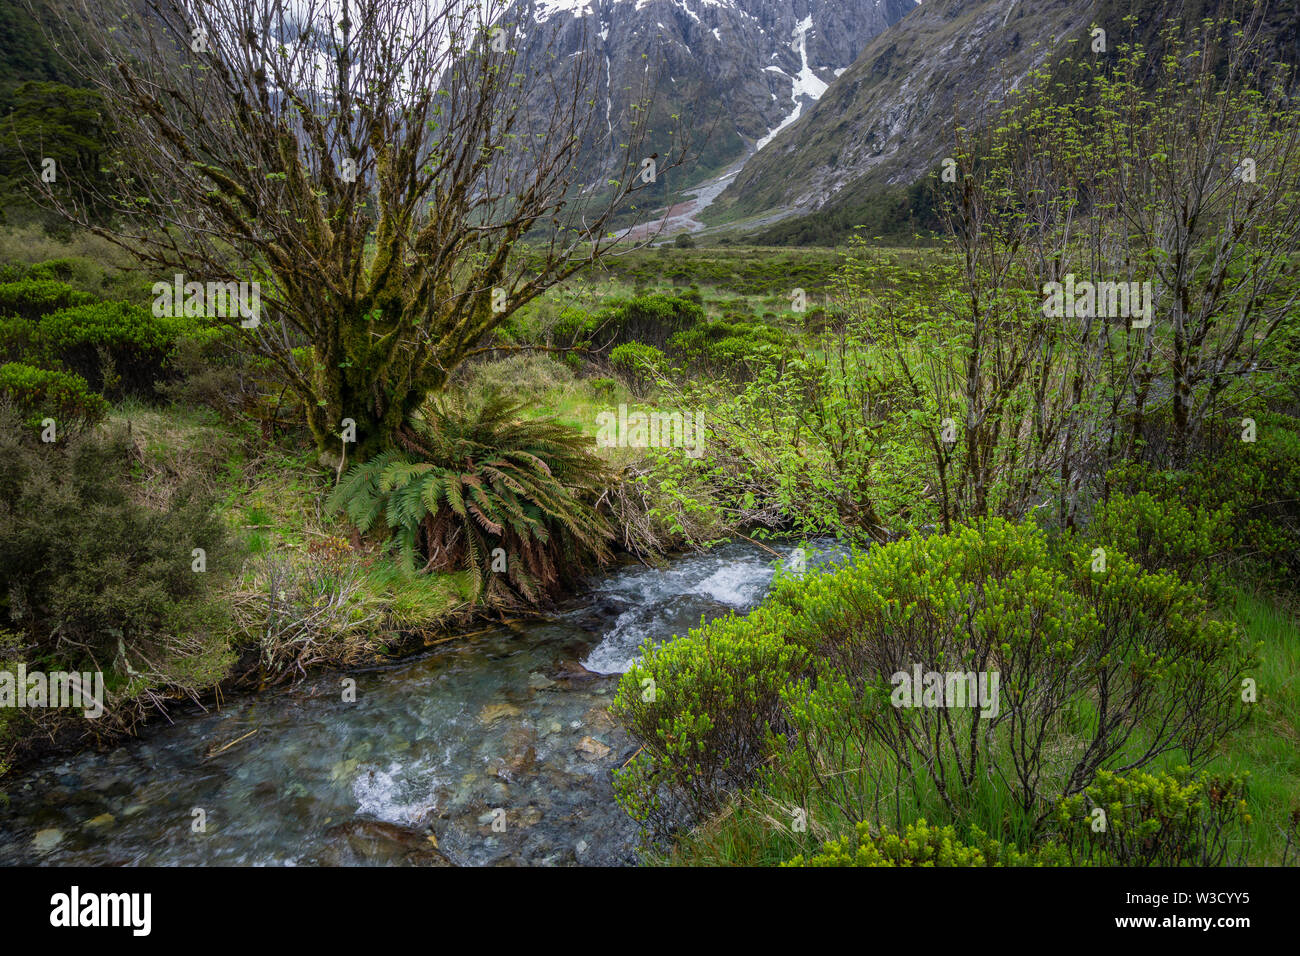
(491, 713)
(512, 720)
(47, 839)
(375, 841)
(592, 749)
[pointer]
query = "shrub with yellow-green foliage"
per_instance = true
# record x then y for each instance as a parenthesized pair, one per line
(37, 394)
(117, 347)
(30, 298)
(1139, 819)
(1245, 502)
(708, 711)
(1095, 671)
(638, 363)
(1177, 819)
(1165, 534)
(921, 844)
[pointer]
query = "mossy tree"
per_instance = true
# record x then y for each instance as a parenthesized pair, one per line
(372, 163)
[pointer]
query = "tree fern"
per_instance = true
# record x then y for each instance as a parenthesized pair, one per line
(469, 479)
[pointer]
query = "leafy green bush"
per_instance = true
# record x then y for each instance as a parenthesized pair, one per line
(37, 394)
(638, 363)
(1254, 486)
(650, 319)
(30, 298)
(921, 844)
(1167, 820)
(1140, 819)
(1165, 534)
(707, 710)
(119, 348)
(729, 347)
(602, 387)
(1094, 670)
(97, 580)
(472, 481)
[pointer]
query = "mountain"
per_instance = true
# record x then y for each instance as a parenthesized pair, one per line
(886, 120)
(736, 70)
(860, 154)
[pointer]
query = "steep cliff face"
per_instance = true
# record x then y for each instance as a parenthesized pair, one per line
(886, 119)
(736, 71)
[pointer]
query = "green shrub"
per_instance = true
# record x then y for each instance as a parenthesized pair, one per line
(1094, 671)
(638, 363)
(1255, 486)
(735, 349)
(707, 711)
(1165, 534)
(650, 319)
(36, 394)
(30, 298)
(96, 580)
(920, 845)
(119, 348)
(474, 480)
(602, 387)
(1167, 820)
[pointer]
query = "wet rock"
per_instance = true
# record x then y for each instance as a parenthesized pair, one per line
(46, 840)
(539, 681)
(530, 816)
(103, 820)
(572, 672)
(491, 713)
(598, 718)
(342, 770)
(592, 749)
(376, 841)
(516, 764)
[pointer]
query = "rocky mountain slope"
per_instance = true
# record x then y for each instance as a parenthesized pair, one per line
(884, 122)
(736, 71)
(859, 155)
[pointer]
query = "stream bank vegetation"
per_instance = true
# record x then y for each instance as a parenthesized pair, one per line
(1094, 506)
(1104, 513)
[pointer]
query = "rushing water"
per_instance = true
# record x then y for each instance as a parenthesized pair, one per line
(510, 726)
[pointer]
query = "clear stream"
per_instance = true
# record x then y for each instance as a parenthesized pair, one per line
(414, 772)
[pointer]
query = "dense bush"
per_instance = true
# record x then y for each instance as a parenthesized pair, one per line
(1095, 670)
(1246, 495)
(30, 298)
(120, 349)
(707, 711)
(920, 845)
(1135, 820)
(650, 319)
(476, 488)
(638, 363)
(36, 394)
(729, 348)
(95, 579)
(1169, 820)
(1165, 534)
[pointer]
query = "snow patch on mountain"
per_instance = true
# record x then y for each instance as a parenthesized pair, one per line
(805, 84)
